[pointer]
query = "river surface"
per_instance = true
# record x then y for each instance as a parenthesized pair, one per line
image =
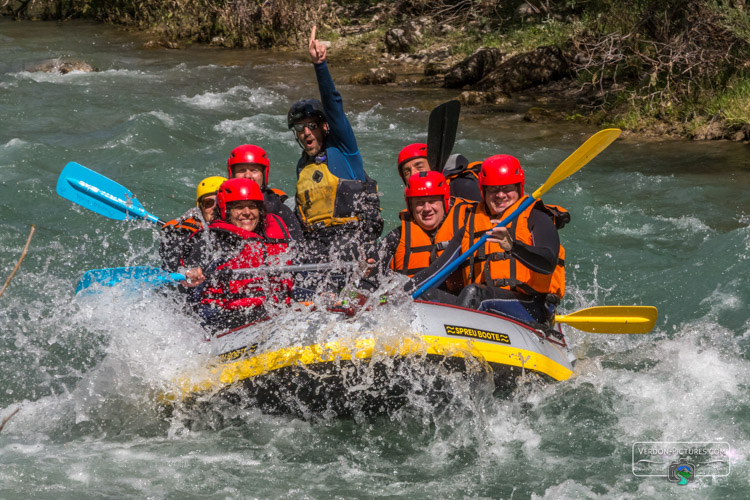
(654, 223)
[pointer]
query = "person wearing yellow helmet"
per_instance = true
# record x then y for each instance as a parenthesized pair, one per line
(176, 232)
(205, 196)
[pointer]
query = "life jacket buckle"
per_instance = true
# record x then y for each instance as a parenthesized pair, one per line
(496, 256)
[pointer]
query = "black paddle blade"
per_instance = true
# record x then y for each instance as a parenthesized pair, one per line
(441, 133)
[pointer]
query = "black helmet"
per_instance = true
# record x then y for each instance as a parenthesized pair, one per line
(305, 108)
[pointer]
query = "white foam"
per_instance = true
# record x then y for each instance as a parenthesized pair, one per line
(81, 77)
(15, 143)
(686, 223)
(369, 121)
(256, 126)
(241, 94)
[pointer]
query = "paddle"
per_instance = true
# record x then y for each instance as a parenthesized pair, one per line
(100, 194)
(146, 276)
(612, 319)
(155, 277)
(580, 157)
(441, 133)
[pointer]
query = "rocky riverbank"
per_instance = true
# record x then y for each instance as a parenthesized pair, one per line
(664, 67)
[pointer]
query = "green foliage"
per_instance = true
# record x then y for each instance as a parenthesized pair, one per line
(682, 61)
(733, 104)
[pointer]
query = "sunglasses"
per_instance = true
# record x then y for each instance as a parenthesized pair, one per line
(207, 203)
(501, 189)
(299, 127)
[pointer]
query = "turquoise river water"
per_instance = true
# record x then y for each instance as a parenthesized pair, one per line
(654, 223)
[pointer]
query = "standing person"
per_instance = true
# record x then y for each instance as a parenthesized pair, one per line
(337, 203)
(251, 162)
(176, 232)
(243, 236)
(461, 176)
(521, 264)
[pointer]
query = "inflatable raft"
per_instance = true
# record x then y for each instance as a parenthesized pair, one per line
(370, 372)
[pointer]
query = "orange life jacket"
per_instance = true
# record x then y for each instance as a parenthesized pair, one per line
(495, 267)
(416, 249)
(235, 293)
(281, 194)
(472, 170)
(189, 225)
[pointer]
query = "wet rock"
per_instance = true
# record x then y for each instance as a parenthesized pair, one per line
(433, 68)
(155, 44)
(743, 134)
(221, 42)
(536, 114)
(473, 68)
(434, 80)
(709, 132)
(436, 54)
(526, 70)
(396, 41)
(474, 98)
(376, 76)
(404, 39)
(62, 66)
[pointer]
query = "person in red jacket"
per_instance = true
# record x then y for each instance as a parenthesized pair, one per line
(244, 236)
(251, 162)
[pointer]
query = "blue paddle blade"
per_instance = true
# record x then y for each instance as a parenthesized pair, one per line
(100, 194)
(142, 276)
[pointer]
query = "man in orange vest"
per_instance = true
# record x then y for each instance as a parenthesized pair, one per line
(520, 269)
(430, 222)
(460, 175)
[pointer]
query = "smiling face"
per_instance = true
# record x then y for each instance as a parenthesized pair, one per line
(244, 214)
(311, 139)
(414, 166)
(252, 171)
(428, 211)
(499, 198)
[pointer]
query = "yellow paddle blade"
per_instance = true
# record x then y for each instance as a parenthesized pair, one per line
(612, 319)
(580, 157)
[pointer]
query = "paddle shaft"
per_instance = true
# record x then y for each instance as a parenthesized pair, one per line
(296, 268)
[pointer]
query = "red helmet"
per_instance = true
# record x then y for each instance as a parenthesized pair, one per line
(501, 170)
(237, 190)
(248, 153)
(410, 152)
(428, 184)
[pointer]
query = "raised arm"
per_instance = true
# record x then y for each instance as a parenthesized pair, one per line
(341, 134)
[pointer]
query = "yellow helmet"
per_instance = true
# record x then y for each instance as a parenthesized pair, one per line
(209, 185)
